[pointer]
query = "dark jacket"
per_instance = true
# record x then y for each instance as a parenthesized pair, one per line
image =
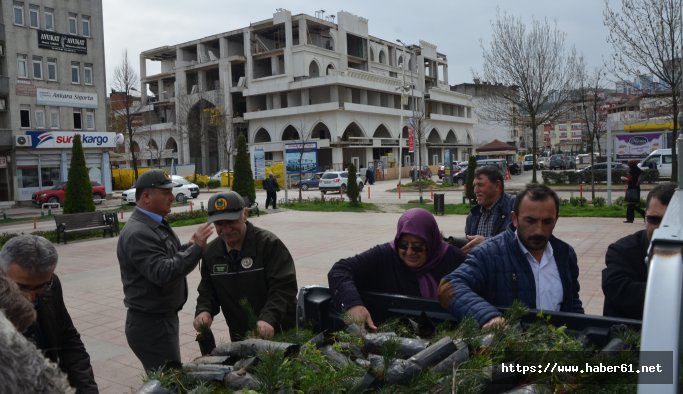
(502, 216)
(60, 341)
(380, 269)
(497, 272)
(270, 185)
(154, 265)
(625, 276)
(264, 276)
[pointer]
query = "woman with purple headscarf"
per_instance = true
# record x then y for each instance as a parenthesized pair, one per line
(412, 265)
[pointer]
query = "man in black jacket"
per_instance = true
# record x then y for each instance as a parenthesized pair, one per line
(625, 276)
(271, 187)
(30, 261)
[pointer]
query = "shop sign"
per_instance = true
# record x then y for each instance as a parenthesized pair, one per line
(65, 98)
(25, 87)
(64, 139)
(62, 42)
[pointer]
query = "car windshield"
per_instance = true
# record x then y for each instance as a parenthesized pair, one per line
(181, 180)
(58, 186)
(330, 175)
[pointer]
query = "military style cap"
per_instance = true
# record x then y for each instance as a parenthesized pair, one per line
(225, 206)
(155, 179)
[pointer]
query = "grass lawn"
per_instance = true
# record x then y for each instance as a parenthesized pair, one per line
(615, 211)
(334, 205)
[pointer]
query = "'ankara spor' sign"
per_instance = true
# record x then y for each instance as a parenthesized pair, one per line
(65, 98)
(65, 139)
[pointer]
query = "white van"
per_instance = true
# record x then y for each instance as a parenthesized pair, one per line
(661, 160)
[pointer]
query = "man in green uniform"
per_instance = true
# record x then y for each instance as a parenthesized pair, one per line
(247, 265)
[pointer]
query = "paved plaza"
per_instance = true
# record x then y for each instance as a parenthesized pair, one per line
(92, 286)
(93, 293)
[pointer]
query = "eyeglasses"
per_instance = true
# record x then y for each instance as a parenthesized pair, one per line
(38, 288)
(416, 247)
(652, 219)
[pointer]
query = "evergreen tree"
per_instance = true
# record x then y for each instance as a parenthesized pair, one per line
(471, 166)
(78, 196)
(352, 187)
(244, 178)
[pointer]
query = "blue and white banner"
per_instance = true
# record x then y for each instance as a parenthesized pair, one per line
(301, 158)
(259, 163)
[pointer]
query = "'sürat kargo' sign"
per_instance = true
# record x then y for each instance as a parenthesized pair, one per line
(64, 139)
(62, 42)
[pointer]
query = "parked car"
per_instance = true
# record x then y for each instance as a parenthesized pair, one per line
(661, 160)
(218, 175)
(312, 181)
(600, 171)
(56, 193)
(460, 177)
(557, 162)
(184, 190)
(334, 181)
(529, 163)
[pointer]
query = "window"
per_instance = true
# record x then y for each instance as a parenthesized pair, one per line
(37, 67)
(87, 74)
(72, 23)
(85, 25)
(54, 119)
(22, 66)
(49, 19)
(19, 14)
(51, 69)
(75, 72)
(27, 176)
(33, 16)
(25, 115)
(90, 120)
(77, 120)
(40, 118)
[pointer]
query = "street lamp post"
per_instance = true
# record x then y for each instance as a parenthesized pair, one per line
(400, 124)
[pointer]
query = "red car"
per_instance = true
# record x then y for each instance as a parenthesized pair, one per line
(56, 193)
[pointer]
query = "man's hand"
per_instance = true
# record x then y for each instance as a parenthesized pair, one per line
(202, 234)
(474, 241)
(265, 330)
(445, 293)
(359, 314)
(496, 321)
(203, 319)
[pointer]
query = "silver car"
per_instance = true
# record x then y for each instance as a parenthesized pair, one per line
(336, 181)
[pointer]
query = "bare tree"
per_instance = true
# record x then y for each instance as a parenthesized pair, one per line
(304, 138)
(590, 100)
(646, 37)
(536, 65)
(418, 122)
(125, 80)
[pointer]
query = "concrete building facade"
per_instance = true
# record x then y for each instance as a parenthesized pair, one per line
(52, 86)
(295, 78)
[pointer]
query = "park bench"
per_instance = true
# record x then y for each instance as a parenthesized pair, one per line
(252, 207)
(85, 221)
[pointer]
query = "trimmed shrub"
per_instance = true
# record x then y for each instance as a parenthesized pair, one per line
(213, 183)
(78, 195)
(244, 179)
(352, 186)
(578, 201)
(469, 183)
(599, 202)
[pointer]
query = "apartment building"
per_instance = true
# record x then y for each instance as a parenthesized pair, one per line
(52, 86)
(301, 78)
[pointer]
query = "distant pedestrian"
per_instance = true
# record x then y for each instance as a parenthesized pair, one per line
(370, 175)
(632, 195)
(271, 187)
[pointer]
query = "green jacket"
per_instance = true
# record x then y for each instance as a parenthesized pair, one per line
(264, 275)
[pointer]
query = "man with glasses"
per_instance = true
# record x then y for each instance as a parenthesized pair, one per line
(525, 263)
(625, 276)
(30, 262)
(154, 265)
(245, 271)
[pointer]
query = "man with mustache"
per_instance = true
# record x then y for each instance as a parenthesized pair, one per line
(491, 215)
(525, 263)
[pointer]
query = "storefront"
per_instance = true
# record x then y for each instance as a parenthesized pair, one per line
(42, 158)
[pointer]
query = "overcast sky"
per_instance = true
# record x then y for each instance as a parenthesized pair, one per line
(456, 27)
